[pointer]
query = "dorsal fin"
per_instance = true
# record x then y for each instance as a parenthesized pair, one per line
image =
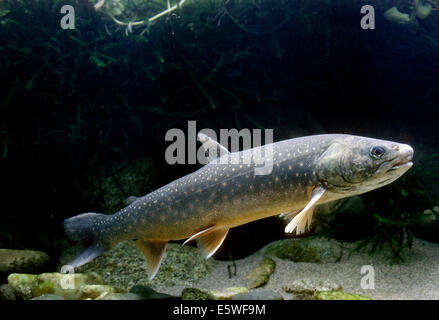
(214, 149)
(304, 217)
(210, 239)
(153, 251)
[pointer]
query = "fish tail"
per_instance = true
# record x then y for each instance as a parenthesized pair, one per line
(83, 228)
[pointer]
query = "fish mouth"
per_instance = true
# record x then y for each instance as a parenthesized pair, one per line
(405, 158)
(403, 164)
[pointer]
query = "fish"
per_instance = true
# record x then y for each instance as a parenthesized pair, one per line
(228, 192)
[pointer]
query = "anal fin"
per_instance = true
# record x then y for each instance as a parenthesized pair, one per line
(153, 251)
(210, 239)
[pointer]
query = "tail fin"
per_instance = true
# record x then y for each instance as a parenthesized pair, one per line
(82, 228)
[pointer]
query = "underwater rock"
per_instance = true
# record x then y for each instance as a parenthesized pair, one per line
(21, 285)
(426, 225)
(260, 276)
(311, 249)
(258, 295)
(22, 261)
(204, 294)
(196, 294)
(124, 266)
(394, 15)
(48, 297)
(228, 293)
(309, 286)
(68, 286)
(6, 292)
(337, 295)
(95, 291)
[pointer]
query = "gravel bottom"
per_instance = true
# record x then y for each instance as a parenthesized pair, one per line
(417, 277)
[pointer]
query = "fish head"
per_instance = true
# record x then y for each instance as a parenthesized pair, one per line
(354, 165)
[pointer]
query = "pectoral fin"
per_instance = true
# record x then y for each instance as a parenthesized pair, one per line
(210, 239)
(153, 251)
(288, 216)
(304, 217)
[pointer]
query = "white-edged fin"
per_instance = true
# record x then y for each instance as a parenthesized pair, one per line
(303, 219)
(210, 239)
(214, 149)
(153, 251)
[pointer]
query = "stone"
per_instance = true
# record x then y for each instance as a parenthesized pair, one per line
(218, 294)
(309, 286)
(337, 295)
(22, 261)
(196, 294)
(6, 292)
(311, 249)
(260, 276)
(68, 286)
(228, 293)
(21, 285)
(258, 295)
(93, 291)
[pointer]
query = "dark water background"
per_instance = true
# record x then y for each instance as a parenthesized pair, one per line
(75, 102)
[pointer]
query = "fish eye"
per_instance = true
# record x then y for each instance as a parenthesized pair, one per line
(377, 152)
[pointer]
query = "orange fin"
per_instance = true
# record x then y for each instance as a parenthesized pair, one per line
(153, 251)
(303, 219)
(210, 239)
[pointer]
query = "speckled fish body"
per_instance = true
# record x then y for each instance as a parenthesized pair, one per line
(224, 194)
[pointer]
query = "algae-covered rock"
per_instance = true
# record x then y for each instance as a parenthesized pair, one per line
(22, 261)
(309, 286)
(259, 276)
(228, 293)
(94, 291)
(312, 249)
(68, 286)
(124, 266)
(258, 295)
(204, 294)
(337, 295)
(196, 294)
(21, 285)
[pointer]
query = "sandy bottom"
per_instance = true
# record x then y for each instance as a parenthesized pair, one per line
(417, 277)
